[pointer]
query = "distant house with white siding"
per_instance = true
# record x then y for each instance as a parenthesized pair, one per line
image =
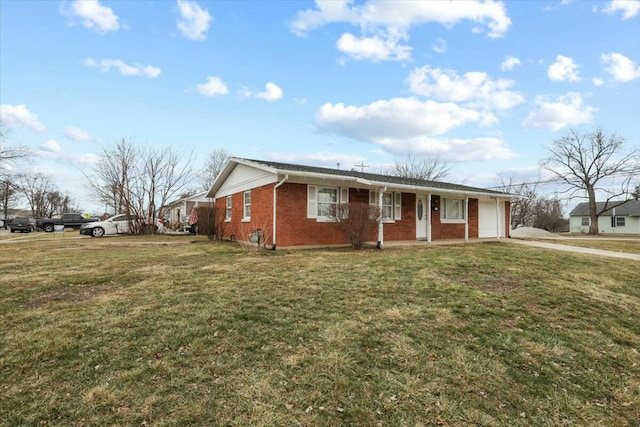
(179, 210)
(623, 219)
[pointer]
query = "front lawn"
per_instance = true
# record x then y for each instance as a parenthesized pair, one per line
(159, 331)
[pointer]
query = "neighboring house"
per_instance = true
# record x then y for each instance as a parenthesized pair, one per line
(623, 219)
(287, 205)
(179, 210)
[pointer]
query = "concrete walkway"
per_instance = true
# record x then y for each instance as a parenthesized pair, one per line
(576, 249)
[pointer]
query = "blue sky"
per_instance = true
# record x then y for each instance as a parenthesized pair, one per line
(485, 85)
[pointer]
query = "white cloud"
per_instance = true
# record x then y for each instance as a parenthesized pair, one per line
(564, 69)
(509, 63)
(395, 118)
(194, 21)
(597, 81)
(476, 88)
(76, 134)
(373, 48)
(566, 111)
(407, 125)
(213, 87)
(125, 69)
(271, 93)
(19, 115)
(51, 146)
(94, 16)
(384, 23)
(403, 14)
(439, 46)
(629, 8)
(621, 68)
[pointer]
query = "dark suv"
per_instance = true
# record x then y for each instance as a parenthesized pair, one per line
(22, 224)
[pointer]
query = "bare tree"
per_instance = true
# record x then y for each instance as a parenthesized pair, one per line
(548, 215)
(213, 166)
(594, 164)
(35, 187)
(9, 195)
(522, 208)
(10, 155)
(139, 181)
(429, 168)
(636, 193)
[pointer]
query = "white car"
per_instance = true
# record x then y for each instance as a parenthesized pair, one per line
(118, 224)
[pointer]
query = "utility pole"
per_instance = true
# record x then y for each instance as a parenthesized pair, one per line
(361, 166)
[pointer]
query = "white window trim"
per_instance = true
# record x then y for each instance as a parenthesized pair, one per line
(396, 205)
(624, 219)
(227, 212)
(321, 218)
(443, 211)
(582, 224)
(245, 217)
(313, 192)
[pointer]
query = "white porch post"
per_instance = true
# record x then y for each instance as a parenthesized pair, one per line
(497, 218)
(466, 219)
(429, 217)
(380, 217)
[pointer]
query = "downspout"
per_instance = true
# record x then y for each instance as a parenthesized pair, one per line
(429, 217)
(380, 217)
(275, 207)
(466, 219)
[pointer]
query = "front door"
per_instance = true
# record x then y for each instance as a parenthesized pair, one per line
(421, 217)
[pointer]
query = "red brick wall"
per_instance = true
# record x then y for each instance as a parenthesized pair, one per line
(405, 228)
(261, 214)
(441, 230)
(295, 229)
(293, 226)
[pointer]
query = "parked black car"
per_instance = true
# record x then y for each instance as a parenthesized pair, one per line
(69, 220)
(22, 224)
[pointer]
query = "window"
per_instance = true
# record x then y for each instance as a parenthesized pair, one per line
(453, 209)
(327, 197)
(246, 209)
(320, 200)
(618, 221)
(227, 215)
(391, 204)
(586, 221)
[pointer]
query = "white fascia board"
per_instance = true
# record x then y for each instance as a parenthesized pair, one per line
(380, 184)
(228, 168)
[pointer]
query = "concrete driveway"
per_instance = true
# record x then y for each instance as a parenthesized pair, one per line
(576, 249)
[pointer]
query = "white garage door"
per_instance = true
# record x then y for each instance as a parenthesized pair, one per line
(487, 219)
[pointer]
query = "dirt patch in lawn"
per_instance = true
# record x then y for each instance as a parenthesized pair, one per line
(73, 294)
(496, 285)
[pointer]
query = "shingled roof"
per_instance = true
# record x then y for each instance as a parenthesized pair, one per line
(389, 179)
(629, 208)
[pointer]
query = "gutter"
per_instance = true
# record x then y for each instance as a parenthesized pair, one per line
(275, 207)
(394, 185)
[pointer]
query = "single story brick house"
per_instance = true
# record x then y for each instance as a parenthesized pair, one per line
(287, 205)
(623, 219)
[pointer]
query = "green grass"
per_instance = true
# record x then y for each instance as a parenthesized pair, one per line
(161, 331)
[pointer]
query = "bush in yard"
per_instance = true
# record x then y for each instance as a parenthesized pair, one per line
(210, 222)
(357, 221)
